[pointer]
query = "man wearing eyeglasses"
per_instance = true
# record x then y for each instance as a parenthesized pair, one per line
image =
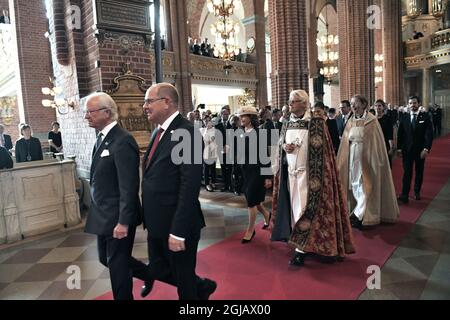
(115, 206)
(170, 191)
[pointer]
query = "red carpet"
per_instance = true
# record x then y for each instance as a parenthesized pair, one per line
(260, 271)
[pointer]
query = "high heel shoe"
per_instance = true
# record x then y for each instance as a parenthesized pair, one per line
(248, 240)
(266, 225)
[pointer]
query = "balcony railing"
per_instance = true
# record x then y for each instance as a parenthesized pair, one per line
(440, 39)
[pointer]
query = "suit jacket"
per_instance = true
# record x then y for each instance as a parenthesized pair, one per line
(8, 143)
(170, 191)
(5, 159)
(114, 183)
(341, 123)
(414, 141)
(31, 147)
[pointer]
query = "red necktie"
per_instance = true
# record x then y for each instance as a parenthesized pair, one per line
(154, 145)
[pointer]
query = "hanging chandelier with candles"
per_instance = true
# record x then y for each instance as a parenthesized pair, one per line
(328, 57)
(379, 58)
(225, 28)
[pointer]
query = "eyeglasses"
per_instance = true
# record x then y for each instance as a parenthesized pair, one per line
(150, 101)
(85, 112)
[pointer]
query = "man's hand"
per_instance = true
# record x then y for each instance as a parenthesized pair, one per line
(267, 183)
(120, 231)
(424, 154)
(399, 153)
(176, 245)
(289, 148)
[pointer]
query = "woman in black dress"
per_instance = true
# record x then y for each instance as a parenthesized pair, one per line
(254, 182)
(54, 139)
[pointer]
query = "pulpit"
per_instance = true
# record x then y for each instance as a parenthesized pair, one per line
(129, 94)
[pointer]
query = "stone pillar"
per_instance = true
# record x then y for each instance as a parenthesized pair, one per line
(393, 52)
(426, 84)
(289, 50)
(356, 50)
(30, 24)
(255, 26)
(178, 17)
(169, 44)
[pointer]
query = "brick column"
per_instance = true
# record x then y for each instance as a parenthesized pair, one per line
(178, 13)
(426, 87)
(289, 50)
(392, 51)
(29, 18)
(356, 50)
(255, 26)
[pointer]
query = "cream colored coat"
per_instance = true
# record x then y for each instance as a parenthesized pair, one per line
(377, 176)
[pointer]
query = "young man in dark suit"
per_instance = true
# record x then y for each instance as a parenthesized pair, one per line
(415, 137)
(115, 207)
(226, 167)
(170, 191)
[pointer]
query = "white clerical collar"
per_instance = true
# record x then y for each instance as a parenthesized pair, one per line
(293, 118)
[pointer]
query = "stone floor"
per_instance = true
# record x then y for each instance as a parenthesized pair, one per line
(36, 268)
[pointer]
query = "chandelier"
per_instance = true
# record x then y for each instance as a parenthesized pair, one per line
(379, 58)
(60, 104)
(328, 58)
(225, 28)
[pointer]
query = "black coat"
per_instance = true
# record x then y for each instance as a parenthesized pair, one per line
(8, 142)
(170, 191)
(414, 141)
(25, 148)
(114, 183)
(5, 159)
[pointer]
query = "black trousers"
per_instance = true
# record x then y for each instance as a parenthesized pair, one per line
(409, 161)
(174, 268)
(226, 173)
(209, 172)
(116, 255)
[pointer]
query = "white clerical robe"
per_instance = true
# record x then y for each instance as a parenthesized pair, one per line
(356, 185)
(298, 175)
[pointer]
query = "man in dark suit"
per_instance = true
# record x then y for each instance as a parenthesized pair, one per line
(415, 137)
(342, 118)
(5, 159)
(226, 167)
(170, 191)
(5, 139)
(115, 207)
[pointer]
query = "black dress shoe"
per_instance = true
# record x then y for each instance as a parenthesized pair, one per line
(417, 196)
(355, 222)
(403, 199)
(266, 225)
(298, 259)
(147, 288)
(206, 288)
(248, 240)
